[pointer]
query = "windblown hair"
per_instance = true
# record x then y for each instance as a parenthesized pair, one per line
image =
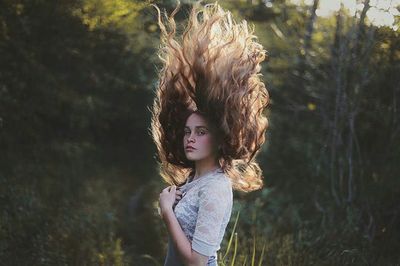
(213, 70)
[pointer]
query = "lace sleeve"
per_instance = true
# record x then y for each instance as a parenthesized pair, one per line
(214, 201)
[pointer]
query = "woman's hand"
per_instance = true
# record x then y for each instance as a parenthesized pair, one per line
(169, 197)
(178, 196)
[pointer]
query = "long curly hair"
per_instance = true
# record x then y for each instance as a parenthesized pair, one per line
(212, 69)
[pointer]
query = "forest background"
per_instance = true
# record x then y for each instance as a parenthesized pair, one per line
(79, 180)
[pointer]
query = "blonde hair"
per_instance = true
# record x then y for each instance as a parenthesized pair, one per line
(214, 70)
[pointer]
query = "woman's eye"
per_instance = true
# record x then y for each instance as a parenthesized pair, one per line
(201, 133)
(187, 132)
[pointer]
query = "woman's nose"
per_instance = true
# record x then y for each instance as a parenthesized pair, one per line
(190, 138)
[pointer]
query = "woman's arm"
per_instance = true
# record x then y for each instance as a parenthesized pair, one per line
(179, 239)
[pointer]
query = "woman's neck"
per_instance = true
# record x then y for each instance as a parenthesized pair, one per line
(204, 166)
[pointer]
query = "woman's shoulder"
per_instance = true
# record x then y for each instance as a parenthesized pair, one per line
(217, 189)
(223, 178)
(220, 181)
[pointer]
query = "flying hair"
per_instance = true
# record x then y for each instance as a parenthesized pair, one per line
(212, 69)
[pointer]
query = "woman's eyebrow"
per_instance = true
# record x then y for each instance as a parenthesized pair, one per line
(198, 127)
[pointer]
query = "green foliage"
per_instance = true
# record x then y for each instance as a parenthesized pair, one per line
(117, 15)
(36, 232)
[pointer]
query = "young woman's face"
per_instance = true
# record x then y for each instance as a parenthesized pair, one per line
(198, 142)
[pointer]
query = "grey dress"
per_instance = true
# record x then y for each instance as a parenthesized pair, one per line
(203, 214)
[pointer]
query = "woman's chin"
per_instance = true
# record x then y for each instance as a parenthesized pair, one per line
(191, 157)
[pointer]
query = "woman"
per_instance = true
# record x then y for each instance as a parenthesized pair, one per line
(208, 126)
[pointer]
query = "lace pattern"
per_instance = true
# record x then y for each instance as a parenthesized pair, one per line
(204, 211)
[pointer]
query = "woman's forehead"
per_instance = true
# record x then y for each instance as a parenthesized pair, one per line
(196, 120)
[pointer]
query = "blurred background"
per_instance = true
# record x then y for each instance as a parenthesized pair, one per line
(79, 181)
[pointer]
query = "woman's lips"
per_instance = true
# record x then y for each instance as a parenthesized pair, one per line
(190, 149)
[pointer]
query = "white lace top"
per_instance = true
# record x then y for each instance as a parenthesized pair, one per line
(203, 213)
